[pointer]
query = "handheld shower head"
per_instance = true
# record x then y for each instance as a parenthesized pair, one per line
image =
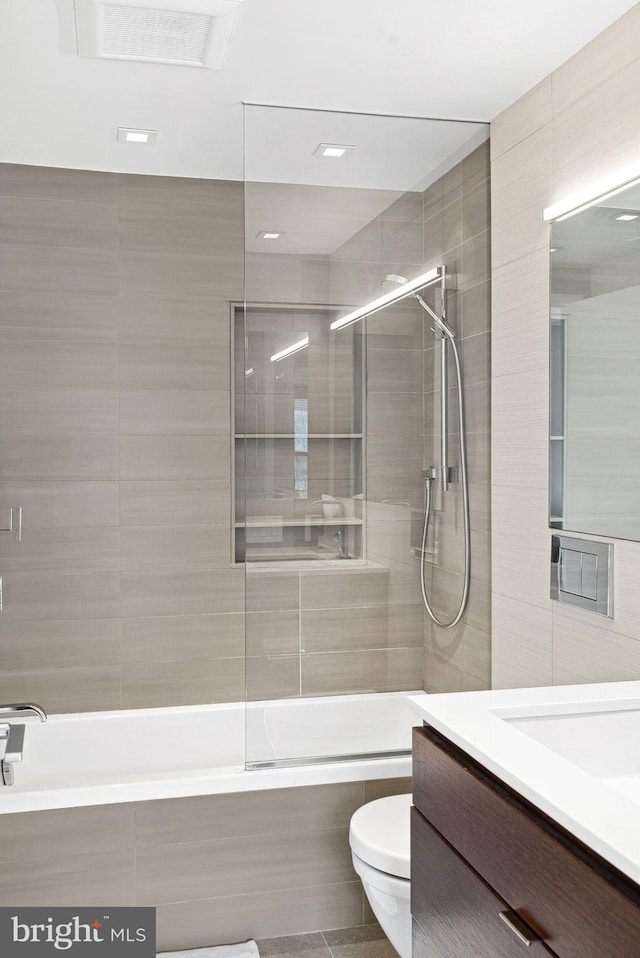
(440, 324)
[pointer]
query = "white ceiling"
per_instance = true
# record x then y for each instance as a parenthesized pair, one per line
(459, 59)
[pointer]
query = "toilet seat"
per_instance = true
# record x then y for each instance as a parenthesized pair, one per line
(380, 835)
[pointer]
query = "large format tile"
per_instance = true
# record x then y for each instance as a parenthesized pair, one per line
(41, 457)
(156, 684)
(522, 643)
(143, 548)
(57, 412)
(182, 593)
(56, 270)
(183, 872)
(169, 637)
(50, 182)
(521, 189)
(60, 644)
(267, 913)
(49, 222)
(73, 689)
(278, 812)
(171, 366)
(522, 118)
(520, 330)
(49, 504)
(174, 457)
(34, 315)
(174, 411)
(106, 878)
(37, 598)
(66, 831)
(179, 502)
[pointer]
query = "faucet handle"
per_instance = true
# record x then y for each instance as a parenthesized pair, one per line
(26, 707)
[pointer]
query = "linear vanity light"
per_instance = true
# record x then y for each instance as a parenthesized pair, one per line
(290, 350)
(579, 202)
(405, 290)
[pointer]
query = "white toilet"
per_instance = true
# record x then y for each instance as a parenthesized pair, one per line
(380, 839)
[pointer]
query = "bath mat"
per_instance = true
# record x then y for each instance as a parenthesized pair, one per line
(246, 949)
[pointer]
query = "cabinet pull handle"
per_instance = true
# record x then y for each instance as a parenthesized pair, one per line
(521, 930)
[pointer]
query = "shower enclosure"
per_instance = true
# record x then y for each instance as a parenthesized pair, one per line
(335, 423)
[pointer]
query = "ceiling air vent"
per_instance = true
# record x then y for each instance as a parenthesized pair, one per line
(179, 32)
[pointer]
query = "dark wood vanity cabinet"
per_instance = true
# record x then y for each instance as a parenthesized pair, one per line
(492, 877)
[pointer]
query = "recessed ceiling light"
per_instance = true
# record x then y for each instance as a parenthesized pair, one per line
(626, 217)
(335, 150)
(268, 235)
(127, 135)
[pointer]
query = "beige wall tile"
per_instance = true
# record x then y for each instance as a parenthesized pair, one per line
(267, 914)
(605, 56)
(174, 457)
(169, 637)
(181, 319)
(48, 222)
(524, 117)
(59, 269)
(169, 366)
(35, 315)
(522, 647)
(59, 458)
(58, 184)
(180, 872)
(584, 651)
(273, 633)
(38, 598)
(520, 429)
(520, 330)
(272, 677)
(51, 504)
(521, 189)
(66, 831)
(73, 689)
(590, 116)
(143, 548)
(182, 593)
(155, 684)
(175, 411)
(60, 644)
(215, 276)
(71, 880)
(60, 550)
(283, 812)
(29, 411)
(174, 502)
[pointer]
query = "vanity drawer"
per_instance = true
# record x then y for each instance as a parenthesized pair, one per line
(454, 911)
(578, 905)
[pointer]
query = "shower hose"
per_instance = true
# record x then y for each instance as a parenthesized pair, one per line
(429, 479)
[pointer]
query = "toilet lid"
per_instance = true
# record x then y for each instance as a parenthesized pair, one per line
(380, 834)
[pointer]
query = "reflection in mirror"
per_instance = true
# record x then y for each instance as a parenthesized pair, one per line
(595, 368)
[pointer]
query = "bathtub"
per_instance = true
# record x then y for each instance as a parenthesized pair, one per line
(99, 758)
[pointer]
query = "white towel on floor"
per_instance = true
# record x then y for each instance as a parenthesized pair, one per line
(246, 949)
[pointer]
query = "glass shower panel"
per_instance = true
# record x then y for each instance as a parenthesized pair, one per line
(329, 424)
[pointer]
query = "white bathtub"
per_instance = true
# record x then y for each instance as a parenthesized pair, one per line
(97, 758)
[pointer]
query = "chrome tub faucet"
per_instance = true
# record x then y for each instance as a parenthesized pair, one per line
(13, 738)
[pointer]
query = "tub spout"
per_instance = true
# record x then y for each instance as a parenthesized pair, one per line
(13, 738)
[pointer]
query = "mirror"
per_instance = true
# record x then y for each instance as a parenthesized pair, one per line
(595, 368)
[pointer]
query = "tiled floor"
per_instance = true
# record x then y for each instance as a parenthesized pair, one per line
(367, 941)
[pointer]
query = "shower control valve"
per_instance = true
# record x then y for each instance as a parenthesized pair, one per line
(430, 474)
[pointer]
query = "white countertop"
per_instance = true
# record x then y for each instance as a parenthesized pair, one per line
(599, 806)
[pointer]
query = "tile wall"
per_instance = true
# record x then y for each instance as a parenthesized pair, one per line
(542, 152)
(218, 868)
(115, 439)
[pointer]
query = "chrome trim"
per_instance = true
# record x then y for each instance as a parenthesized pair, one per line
(25, 707)
(327, 759)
